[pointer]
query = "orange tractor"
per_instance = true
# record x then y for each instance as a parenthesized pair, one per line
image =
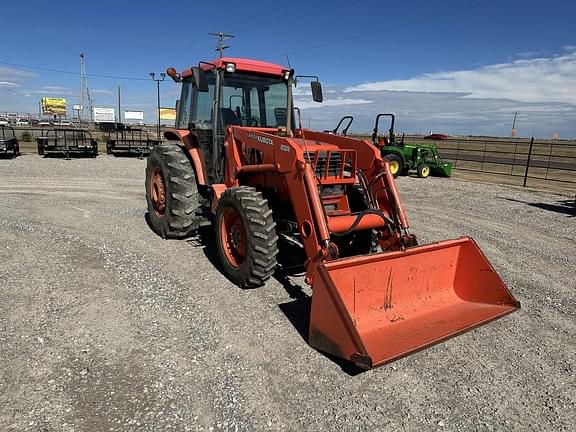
(236, 152)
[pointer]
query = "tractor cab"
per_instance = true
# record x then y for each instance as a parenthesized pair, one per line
(234, 92)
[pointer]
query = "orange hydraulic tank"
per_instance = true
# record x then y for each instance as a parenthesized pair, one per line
(377, 308)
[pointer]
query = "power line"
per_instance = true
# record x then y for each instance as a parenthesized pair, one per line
(395, 27)
(71, 72)
(258, 26)
(252, 27)
(309, 48)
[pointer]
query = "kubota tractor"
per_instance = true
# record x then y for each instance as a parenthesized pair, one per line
(236, 150)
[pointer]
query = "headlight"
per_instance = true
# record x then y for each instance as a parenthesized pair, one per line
(230, 67)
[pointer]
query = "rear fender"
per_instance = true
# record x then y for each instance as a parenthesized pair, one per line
(400, 154)
(190, 143)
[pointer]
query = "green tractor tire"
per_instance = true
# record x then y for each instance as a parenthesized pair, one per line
(396, 164)
(423, 170)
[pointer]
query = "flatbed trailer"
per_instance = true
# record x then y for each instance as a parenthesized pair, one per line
(8, 142)
(67, 142)
(125, 140)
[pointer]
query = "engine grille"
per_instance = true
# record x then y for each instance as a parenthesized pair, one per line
(338, 164)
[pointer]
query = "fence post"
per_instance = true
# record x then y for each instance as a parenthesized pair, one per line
(528, 161)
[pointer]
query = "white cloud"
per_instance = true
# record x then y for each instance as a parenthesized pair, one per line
(307, 103)
(14, 75)
(55, 88)
(45, 91)
(544, 79)
(421, 112)
(99, 92)
(8, 84)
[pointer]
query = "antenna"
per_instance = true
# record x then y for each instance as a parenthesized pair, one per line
(288, 60)
(82, 87)
(90, 107)
(221, 38)
(84, 93)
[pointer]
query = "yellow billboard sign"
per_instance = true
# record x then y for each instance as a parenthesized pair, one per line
(55, 106)
(167, 114)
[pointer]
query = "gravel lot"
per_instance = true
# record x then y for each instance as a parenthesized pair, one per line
(105, 326)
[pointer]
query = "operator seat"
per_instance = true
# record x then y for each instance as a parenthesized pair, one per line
(229, 117)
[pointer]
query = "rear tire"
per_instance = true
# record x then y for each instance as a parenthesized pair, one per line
(171, 192)
(423, 170)
(246, 237)
(396, 164)
(41, 149)
(108, 148)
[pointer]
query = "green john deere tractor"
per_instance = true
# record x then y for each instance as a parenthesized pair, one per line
(402, 157)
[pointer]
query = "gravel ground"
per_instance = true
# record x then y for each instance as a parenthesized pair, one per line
(105, 326)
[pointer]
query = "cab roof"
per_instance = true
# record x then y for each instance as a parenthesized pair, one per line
(244, 65)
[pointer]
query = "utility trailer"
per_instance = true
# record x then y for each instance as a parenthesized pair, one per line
(125, 140)
(67, 142)
(8, 142)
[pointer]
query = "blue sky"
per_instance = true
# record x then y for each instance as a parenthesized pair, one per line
(459, 67)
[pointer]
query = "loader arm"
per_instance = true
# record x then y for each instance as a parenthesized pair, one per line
(298, 169)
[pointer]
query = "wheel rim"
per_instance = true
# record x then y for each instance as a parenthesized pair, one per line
(394, 166)
(425, 171)
(158, 192)
(233, 237)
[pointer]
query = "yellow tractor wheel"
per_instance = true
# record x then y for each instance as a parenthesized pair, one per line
(394, 167)
(423, 170)
(396, 164)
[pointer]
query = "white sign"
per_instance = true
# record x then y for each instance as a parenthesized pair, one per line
(134, 115)
(104, 115)
(77, 107)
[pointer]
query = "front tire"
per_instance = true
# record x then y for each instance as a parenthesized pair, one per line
(423, 170)
(171, 192)
(246, 237)
(396, 164)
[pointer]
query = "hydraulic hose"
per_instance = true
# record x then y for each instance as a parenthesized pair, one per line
(352, 228)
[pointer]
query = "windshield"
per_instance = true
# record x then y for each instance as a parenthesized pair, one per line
(250, 100)
(245, 100)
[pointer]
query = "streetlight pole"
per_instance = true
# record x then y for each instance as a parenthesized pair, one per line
(119, 112)
(158, 80)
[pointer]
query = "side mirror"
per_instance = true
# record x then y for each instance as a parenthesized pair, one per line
(199, 79)
(316, 88)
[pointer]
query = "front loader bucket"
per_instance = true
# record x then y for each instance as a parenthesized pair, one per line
(376, 308)
(441, 169)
